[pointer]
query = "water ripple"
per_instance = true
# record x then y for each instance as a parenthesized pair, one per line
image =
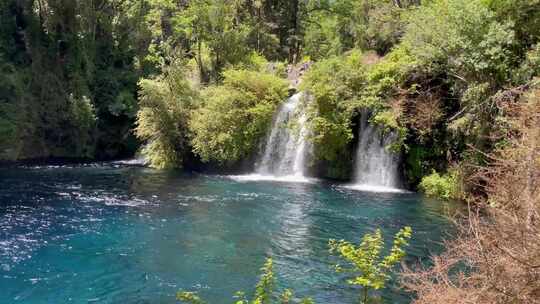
(132, 235)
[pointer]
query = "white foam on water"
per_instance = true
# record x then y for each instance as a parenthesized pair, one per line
(272, 178)
(374, 188)
(132, 162)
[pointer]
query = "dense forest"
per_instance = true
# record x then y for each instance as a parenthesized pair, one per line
(198, 81)
(195, 83)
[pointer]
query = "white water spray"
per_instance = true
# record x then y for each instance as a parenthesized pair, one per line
(285, 150)
(376, 167)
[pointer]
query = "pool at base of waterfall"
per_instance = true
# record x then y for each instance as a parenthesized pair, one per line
(115, 233)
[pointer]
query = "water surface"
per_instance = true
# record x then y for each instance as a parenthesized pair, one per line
(120, 234)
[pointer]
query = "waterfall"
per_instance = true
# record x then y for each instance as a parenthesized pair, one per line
(376, 167)
(285, 150)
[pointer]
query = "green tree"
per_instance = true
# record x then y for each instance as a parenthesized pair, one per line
(235, 116)
(321, 39)
(371, 270)
(466, 46)
(465, 39)
(335, 26)
(72, 62)
(332, 84)
(162, 121)
(525, 14)
(378, 24)
(217, 26)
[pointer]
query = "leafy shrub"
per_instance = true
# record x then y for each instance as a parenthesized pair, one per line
(332, 84)
(372, 271)
(263, 291)
(341, 87)
(83, 119)
(386, 119)
(234, 116)
(162, 120)
(530, 67)
(441, 186)
(257, 62)
(382, 92)
(388, 74)
(389, 123)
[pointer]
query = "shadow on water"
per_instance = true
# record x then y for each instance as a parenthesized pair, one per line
(120, 234)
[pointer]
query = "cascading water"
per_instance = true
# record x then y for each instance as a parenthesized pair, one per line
(376, 167)
(284, 152)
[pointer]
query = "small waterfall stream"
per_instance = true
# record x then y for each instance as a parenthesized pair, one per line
(284, 153)
(285, 150)
(376, 167)
(283, 156)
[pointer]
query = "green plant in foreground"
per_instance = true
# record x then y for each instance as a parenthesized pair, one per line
(263, 291)
(371, 270)
(442, 186)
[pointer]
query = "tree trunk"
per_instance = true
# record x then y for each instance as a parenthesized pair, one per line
(293, 37)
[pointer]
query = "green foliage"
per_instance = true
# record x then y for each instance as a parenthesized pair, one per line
(530, 67)
(189, 297)
(524, 14)
(234, 116)
(441, 186)
(386, 119)
(212, 23)
(336, 26)
(377, 24)
(124, 104)
(371, 270)
(340, 87)
(473, 50)
(463, 38)
(83, 119)
(263, 291)
(389, 122)
(421, 159)
(386, 77)
(72, 66)
(162, 121)
(321, 40)
(332, 84)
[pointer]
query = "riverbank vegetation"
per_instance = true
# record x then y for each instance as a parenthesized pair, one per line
(495, 258)
(198, 81)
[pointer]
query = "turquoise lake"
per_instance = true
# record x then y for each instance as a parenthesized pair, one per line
(110, 233)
